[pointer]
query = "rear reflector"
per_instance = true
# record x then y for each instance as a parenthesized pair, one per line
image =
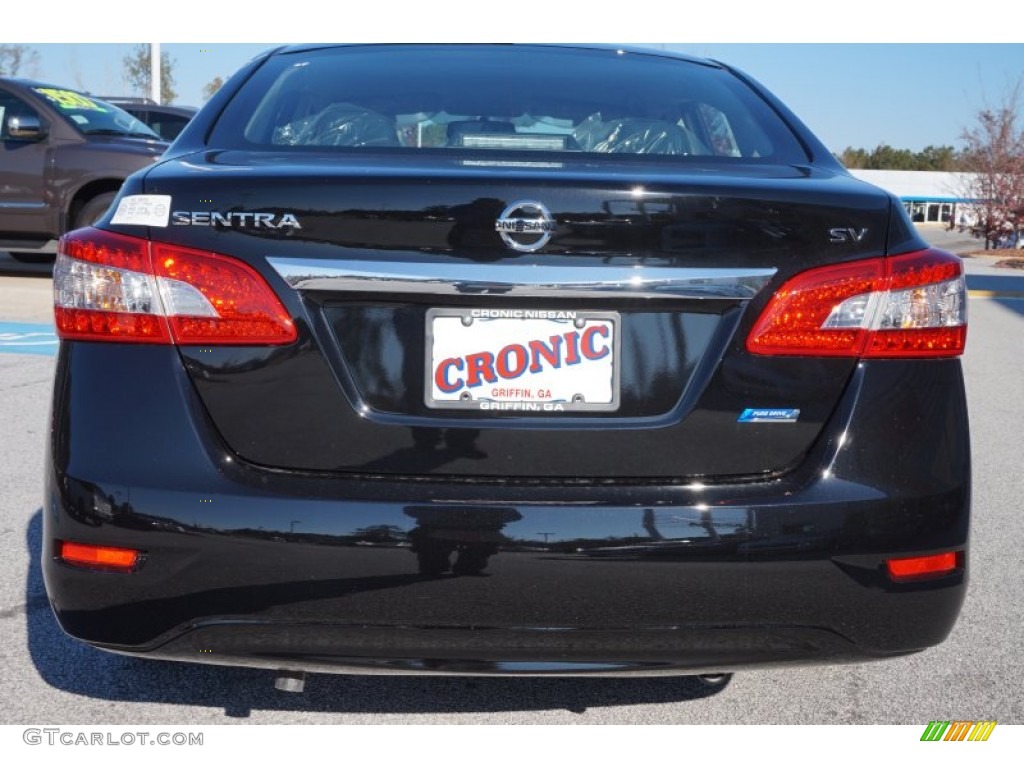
(112, 287)
(100, 558)
(912, 305)
(931, 566)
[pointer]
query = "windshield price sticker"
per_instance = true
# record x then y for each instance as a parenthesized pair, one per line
(68, 100)
(527, 360)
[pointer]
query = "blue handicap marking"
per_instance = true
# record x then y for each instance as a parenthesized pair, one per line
(27, 339)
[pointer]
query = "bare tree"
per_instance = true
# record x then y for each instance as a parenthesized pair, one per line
(76, 67)
(212, 87)
(137, 73)
(994, 154)
(18, 60)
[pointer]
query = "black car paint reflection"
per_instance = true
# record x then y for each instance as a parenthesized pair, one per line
(472, 534)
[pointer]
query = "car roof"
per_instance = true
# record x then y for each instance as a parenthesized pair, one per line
(117, 101)
(150, 106)
(26, 83)
(634, 49)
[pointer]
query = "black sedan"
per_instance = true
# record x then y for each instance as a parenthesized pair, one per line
(505, 360)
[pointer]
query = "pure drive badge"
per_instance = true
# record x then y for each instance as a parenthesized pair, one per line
(525, 226)
(778, 415)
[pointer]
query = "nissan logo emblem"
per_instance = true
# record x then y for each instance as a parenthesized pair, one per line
(525, 226)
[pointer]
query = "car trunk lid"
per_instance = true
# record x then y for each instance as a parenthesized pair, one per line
(432, 346)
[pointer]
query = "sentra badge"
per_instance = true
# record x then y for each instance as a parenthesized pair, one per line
(253, 219)
(525, 226)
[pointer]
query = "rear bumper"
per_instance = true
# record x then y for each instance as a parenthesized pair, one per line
(251, 566)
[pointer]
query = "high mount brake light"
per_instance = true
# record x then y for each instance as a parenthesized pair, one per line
(912, 305)
(113, 287)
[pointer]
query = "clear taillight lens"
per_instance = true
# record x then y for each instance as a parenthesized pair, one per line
(112, 287)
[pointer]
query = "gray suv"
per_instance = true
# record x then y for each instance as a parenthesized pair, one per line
(63, 156)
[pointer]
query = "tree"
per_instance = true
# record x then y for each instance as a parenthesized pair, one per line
(17, 60)
(886, 158)
(994, 154)
(854, 158)
(212, 87)
(137, 73)
(933, 158)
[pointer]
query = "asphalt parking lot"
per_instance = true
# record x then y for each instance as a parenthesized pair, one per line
(974, 675)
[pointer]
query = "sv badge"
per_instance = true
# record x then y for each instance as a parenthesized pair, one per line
(847, 234)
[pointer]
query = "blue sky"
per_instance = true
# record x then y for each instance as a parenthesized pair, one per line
(906, 95)
(873, 71)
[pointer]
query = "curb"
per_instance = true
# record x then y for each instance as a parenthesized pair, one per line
(979, 294)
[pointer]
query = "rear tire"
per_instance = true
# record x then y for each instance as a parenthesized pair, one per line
(93, 209)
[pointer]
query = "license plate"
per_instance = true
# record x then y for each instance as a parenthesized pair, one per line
(526, 360)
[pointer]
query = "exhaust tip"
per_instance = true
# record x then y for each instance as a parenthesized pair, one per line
(716, 680)
(290, 682)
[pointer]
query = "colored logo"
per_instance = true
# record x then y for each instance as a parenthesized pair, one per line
(958, 730)
(780, 415)
(525, 226)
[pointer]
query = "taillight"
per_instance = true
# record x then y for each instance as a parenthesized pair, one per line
(929, 567)
(98, 557)
(912, 305)
(112, 287)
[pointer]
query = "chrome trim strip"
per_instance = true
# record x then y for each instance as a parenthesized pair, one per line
(23, 206)
(519, 280)
(50, 246)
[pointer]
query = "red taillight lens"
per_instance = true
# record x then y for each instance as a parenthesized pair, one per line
(100, 558)
(112, 287)
(796, 319)
(932, 566)
(913, 305)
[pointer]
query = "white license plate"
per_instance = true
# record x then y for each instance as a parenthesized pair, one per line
(526, 360)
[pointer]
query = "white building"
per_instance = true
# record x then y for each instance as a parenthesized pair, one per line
(929, 196)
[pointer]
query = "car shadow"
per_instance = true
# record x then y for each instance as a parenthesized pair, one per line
(74, 667)
(11, 267)
(1006, 290)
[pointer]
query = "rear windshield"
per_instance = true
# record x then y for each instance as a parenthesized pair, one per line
(509, 99)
